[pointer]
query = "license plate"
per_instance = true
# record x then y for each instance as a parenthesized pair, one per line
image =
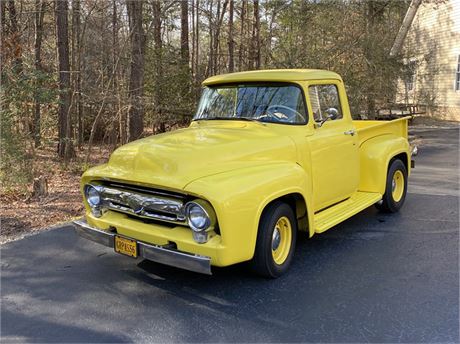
(125, 246)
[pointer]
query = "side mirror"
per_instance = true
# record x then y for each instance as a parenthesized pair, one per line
(331, 114)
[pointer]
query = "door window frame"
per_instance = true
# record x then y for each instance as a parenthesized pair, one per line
(333, 82)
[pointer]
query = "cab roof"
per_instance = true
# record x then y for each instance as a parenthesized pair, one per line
(275, 75)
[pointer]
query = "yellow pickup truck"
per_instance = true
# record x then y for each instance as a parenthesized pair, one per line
(269, 155)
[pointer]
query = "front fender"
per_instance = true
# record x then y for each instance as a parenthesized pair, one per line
(375, 156)
(239, 197)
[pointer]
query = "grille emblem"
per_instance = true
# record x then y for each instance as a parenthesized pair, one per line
(134, 204)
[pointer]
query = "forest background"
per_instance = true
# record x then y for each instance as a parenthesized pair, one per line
(82, 77)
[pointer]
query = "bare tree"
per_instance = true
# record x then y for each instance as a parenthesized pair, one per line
(158, 60)
(76, 68)
(192, 53)
(16, 36)
(197, 40)
(184, 44)
(39, 13)
(244, 6)
(209, 69)
(122, 120)
(216, 41)
(231, 42)
(65, 148)
(405, 26)
(3, 17)
(255, 63)
(136, 81)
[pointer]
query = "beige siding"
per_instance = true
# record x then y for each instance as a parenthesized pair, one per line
(433, 41)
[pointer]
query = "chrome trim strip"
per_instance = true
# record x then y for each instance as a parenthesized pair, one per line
(179, 259)
(145, 190)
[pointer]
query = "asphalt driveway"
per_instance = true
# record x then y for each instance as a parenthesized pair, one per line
(374, 278)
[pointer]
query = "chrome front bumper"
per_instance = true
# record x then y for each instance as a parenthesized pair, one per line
(154, 253)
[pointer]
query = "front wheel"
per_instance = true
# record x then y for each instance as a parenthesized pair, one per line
(276, 240)
(396, 188)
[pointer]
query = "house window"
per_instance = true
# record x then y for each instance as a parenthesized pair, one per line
(410, 74)
(457, 75)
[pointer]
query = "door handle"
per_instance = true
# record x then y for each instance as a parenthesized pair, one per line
(351, 132)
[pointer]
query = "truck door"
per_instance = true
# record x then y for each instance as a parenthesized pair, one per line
(334, 145)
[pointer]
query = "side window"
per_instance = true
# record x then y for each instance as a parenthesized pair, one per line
(322, 98)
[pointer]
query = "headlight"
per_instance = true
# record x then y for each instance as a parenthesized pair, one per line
(200, 215)
(92, 195)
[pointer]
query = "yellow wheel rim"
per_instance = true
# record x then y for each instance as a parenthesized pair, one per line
(397, 186)
(281, 240)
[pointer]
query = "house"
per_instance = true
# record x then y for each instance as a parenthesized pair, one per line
(430, 44)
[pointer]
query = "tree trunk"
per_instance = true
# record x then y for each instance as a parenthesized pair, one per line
(197, 37)
(210, 68)
(39, 13)
(184, 49)
(241, 48)
(230, 39)
(116, 76)
(76, 72)
(77, 34)
(371, 12)
(405, 26)
(192, 54)
(3, 17)
(184, 45)
(216, 41)
(4, 32)
(40, 187)
(197, 51)
(136, 82)
(256, 37)
(158, 57)
(65, 148)
(16, 37)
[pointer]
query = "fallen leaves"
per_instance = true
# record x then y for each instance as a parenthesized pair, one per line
(22, 214)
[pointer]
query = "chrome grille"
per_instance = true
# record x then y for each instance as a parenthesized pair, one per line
(143, 203)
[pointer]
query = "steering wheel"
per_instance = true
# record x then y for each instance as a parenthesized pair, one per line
(283, 113)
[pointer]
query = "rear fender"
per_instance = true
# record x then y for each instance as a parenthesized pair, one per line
(375, 156)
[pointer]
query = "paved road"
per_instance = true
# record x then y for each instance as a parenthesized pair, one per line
(375, 278)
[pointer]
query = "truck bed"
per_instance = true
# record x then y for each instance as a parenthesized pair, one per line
(368, 129)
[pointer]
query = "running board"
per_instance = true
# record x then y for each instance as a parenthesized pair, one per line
(332, 216)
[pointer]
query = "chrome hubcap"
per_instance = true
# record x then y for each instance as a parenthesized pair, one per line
(276, 239)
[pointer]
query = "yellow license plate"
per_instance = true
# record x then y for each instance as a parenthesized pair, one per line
(125, 246)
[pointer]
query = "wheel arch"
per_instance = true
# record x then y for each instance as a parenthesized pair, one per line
(298, 204)
(404, 157)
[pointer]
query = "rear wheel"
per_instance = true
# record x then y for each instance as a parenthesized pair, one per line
(276, 240)
(396, 188)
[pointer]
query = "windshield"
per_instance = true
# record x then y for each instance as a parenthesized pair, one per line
(265, 103)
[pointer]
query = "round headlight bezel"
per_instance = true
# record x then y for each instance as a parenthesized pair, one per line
(90, 199)
(208, 214)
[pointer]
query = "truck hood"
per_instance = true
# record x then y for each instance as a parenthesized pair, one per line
(173, 160)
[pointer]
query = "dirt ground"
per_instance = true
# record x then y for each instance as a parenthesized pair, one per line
(21, 214)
